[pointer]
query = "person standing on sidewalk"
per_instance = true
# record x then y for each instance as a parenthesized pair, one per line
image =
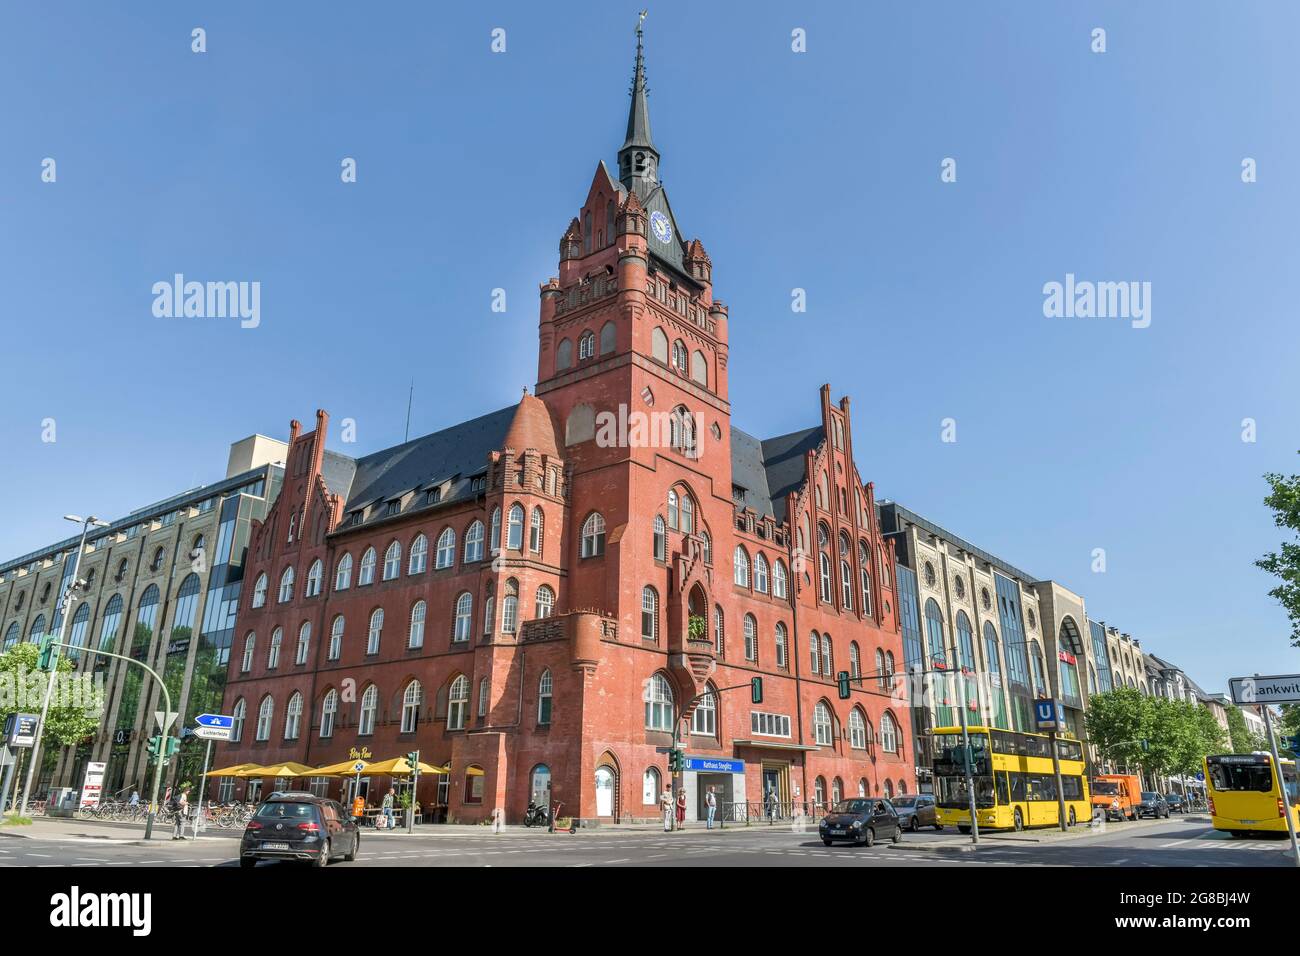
(180, 808)
(681, 809)
(666, 807)
(711, 805)
(388, 810)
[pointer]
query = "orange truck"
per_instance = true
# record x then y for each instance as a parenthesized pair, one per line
(1117, 795)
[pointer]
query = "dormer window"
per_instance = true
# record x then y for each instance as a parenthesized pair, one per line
(356, 517)
(433, 496)
(393, 507)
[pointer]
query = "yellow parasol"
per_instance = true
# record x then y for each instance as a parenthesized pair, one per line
(230, 771)
(398, 767)
(289, 769)
(345, 768)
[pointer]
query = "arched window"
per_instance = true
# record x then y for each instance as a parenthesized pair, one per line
(679, 356)
(824, 566)
(704, 719)
(273, 655)
(880, 669)
(751, 638)
(515, 528)
(857, 730)
(464, 617)
(239, 715)
(822, 724)
(888, 733)
(815, 649)
(934, 634)
(889, 789)
(658, 703)
(494, 538)
(855, 660)
(779, 580)
(458, 703)
(304, 643)
(329, 710)
(366, 574)
(265, 713)
(412, 699)
(336, 638)
(484, 692)
(846, 586)
(418, 560)
(473, 542)
(659, 345)
(250, 641)
(586, 343)
(650, 787)
(740, 562)
(760, 574)
(819, 794)
(81, 621)
(314, 575)
(540, 785)
(649, 613)
(719, 632)
(563, 355)
(293, 717)
(660, 540)
(545, 605)
(707, 546)
(510, 607)
(782, 648)
(286, 585)
(965, 643)
(828, 665)
(544, 698)
(699, 368)
(369, 709)
(608, 338)
(674, 516)
(593, 535)
(535, 530)
(343, 575)
(108, 626)
(259, 590)
(376, 631)
(416, 638)
(837, 790)
(445, 553)
(392, 561)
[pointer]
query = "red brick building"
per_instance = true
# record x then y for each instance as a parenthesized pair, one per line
(533, 597)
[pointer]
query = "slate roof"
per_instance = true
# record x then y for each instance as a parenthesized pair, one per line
(454, 454)
(768, 470)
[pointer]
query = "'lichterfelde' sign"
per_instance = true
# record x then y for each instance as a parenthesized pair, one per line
(1265, 690)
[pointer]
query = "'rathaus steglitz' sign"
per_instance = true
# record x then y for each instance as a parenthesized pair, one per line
(714, 765)
(1265, 690)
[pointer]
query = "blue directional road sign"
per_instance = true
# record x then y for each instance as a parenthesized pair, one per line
(215, 720)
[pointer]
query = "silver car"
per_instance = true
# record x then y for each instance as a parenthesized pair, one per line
(916, 810)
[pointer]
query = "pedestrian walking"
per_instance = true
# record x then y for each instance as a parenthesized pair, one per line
(681, 809)
(711, 807)
(387, 806)
(135, 798)
(666, 808)
(771, 803)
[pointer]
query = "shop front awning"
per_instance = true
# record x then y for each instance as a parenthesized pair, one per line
(775, 745)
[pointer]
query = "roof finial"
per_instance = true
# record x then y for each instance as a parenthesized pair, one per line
(638, 157)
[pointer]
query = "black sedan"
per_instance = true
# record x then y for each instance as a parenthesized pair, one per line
(1176, 803)
(1152, 805)
(862, 821)
(299, 826)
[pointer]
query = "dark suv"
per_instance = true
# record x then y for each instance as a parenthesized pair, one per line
(861, 820)
(299, 826)
(1152, 805)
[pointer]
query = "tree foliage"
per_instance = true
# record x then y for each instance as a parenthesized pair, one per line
(1159, 735)
(1284, 500)
(24, 686)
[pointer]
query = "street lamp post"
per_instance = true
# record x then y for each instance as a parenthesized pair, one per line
(65, 603)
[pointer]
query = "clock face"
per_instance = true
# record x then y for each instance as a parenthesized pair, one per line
(660, 226)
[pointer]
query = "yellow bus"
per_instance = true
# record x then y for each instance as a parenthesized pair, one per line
(1245, 796)
(1015, 786)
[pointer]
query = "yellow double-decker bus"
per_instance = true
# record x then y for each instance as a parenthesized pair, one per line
(1246, 796)
(1015, 786)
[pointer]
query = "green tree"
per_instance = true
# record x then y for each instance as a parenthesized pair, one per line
(1284, 500)
(1118, 721)
(1239, 736)
(22, 687)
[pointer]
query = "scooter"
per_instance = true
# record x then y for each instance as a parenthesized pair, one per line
(535, 816)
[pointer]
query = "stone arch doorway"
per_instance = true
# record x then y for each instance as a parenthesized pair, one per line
(607, 787)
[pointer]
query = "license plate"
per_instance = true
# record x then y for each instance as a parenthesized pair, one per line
(1249, 821)
(275, 846)
(838, 833)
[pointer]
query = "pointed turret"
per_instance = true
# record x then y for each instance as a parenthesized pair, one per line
(638, 160)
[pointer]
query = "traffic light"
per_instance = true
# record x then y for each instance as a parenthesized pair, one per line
(413, 759)
(842, 678)
(153, 747)
(676, 761)
(756, 689)
(173, 745)
(46, 661)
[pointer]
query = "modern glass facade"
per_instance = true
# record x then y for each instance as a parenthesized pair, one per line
(1101, 659)
(1013, 646)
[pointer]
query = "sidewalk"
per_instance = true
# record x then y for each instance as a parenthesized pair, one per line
(962, 841)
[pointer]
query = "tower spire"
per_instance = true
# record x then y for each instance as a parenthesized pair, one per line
(638, 160)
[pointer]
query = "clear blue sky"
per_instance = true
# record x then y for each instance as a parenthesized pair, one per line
(818, 171)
